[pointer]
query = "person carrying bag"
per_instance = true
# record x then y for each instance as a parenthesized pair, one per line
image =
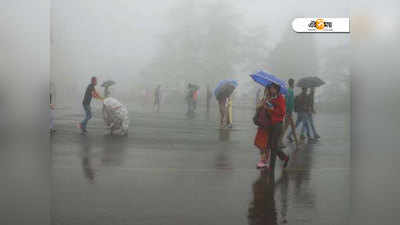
(263, 121)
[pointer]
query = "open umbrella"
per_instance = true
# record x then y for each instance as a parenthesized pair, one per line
(194, 87)
(108, 83)
(225, 88)
(310, 82)
(266, 79)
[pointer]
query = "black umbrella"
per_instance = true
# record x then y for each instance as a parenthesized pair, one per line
(310, 82)
(108, 83)
(194, 87)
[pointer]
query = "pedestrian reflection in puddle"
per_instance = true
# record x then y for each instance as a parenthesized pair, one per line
(262, 209)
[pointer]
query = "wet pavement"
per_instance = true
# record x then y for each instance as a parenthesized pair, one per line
(172, 169)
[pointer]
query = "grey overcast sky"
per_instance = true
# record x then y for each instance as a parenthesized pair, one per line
(112, 39)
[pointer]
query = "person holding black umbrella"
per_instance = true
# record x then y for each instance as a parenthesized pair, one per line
(301, 107)
(311, 112)
(191, 98)
(312, 83)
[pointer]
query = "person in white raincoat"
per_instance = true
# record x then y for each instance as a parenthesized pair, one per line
(116, 116)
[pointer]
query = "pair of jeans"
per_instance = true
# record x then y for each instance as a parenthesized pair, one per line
(88, 116)
(301, 119)
(191, 106)
(305, 124)
(310, 122)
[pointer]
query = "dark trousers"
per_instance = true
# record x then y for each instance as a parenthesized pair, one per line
(273, 140)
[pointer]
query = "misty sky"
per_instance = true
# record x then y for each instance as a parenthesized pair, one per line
(118, 39)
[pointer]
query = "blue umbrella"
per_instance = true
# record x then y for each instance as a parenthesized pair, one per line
(223, 84)
(266, 79)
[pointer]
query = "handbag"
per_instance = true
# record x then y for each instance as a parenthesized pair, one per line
(262, 118)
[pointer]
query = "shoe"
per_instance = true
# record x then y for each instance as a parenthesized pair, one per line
(317, 136)
(262, 164)
(310, 139)
(229, 126)
(290, 140)
(281, 145)
(285, 164)
(302, 137)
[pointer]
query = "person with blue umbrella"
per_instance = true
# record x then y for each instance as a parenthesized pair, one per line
(275, 106)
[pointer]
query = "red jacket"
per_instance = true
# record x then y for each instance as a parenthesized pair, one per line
(279, 109)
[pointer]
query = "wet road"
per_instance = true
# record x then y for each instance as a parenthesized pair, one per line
(172, 170)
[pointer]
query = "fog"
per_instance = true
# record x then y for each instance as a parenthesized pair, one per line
(375, 110)
(140, 44)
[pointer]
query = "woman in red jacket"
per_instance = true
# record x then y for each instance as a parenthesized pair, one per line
(276, 107)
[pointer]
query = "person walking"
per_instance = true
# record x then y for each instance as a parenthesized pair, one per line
(311, 112)
(195, 97)
(301, 107)
(189, 99)
(157, 99)
(87, 98)
(289, 113)
(52, 108)
(262, 120)
(276, 107)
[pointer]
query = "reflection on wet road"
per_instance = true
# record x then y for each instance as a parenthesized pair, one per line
(171, 169)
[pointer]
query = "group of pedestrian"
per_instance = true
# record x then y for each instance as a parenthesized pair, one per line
(304, 107)
(274, 114)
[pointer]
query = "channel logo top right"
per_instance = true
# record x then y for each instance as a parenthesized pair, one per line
(324, 25)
